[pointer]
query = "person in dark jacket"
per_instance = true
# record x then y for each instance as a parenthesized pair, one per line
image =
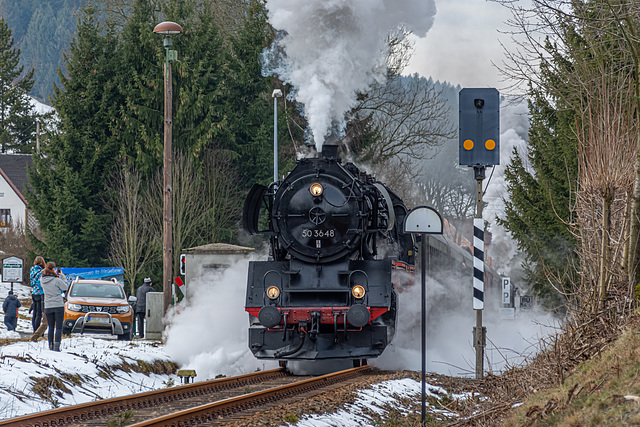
(37, 294)
(141, 304)
(54, 283)
(10, 308)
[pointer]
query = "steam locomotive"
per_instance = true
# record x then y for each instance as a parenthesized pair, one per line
(337, 253)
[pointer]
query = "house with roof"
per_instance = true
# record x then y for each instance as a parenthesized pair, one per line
(14, 208)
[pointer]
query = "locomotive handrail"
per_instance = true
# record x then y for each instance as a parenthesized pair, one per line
(387, 199)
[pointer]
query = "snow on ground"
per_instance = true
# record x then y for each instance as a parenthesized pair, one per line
(378, 400)
(88, 357)
(91, 358)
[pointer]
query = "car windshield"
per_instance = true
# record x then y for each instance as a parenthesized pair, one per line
(100, 290)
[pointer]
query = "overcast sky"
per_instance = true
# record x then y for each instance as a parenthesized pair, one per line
(463, 43)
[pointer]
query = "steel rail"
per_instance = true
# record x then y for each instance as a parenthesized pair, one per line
(69, 415)
(208, 413)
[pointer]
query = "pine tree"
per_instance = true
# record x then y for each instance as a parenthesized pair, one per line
(199, 116)
(68, 180)
(542, 194)
(248, 104)
(197, 113)
(138, 123)
(17, 117)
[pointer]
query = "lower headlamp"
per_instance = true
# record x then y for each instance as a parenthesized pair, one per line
(358, 291)
(273, 292)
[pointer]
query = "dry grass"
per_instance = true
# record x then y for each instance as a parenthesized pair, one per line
(603, 390)
(543, 388)
(581, 368)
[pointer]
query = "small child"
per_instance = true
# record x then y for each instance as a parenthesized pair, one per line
(10, 308)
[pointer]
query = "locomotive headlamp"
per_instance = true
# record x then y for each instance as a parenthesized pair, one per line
(358, 291)
(315, 189)
(273, 292)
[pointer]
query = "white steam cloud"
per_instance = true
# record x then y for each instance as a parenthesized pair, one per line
(335, 48)
(210, 332)
(450, 322)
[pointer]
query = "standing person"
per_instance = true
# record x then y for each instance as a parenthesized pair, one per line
(141, 303)
(54, 283)
(37, 294)
(10, 308)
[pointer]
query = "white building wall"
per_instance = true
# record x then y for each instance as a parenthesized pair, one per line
(10, 200)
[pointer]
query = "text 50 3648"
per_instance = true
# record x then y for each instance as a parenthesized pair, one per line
(308, 233)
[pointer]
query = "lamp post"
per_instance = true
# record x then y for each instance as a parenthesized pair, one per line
(167, 28)
(277, 93)
(424, 221)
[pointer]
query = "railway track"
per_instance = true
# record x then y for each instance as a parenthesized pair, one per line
(208, 402)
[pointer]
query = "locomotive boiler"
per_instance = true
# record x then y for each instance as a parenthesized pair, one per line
(337, 252)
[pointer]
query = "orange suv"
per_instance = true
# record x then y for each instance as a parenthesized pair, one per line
(97, 306)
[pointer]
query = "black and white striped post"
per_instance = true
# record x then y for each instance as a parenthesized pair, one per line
(479, 331)
(478, 264)
(424, 221)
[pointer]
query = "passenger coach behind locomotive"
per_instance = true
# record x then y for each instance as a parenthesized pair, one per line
(336, 248)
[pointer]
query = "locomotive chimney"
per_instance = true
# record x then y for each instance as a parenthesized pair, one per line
(329, 151)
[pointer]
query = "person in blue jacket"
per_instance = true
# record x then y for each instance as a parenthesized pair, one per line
(10, 308)
(37, 294)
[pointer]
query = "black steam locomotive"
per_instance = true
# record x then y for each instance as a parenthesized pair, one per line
(337, 252)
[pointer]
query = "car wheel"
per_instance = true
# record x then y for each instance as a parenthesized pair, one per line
(125, 337)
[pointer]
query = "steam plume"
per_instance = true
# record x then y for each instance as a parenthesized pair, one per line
(334, 49)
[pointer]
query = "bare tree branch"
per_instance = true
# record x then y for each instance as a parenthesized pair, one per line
(133, 234)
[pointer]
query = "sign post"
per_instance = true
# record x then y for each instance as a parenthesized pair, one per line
(479, 147)
(12, 270)
(424, 221)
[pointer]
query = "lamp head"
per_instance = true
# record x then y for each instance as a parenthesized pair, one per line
(167, 28)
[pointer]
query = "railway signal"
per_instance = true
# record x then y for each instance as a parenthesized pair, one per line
(183, 264)
(479, 138)
(479, 127)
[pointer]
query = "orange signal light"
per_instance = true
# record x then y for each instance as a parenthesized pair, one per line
(490, 144)
(467, 144)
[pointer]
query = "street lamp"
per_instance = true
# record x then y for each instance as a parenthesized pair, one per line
(168, 29)
(424, 221)
(277, 93)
